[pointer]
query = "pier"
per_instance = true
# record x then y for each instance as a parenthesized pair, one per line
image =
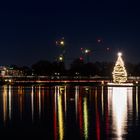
(62, 80)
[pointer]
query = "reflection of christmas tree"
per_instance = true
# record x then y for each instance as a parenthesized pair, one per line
(119, 72)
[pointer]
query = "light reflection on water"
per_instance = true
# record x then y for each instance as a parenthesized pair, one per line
(59, 112)
(64, 112)
(120, 98)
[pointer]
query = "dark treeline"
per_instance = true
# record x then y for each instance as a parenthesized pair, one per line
(77, 67)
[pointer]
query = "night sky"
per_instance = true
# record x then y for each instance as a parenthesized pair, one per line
(29, 29)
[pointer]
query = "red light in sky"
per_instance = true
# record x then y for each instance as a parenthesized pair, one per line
(108, 49)
(99, 40)
(81, 58)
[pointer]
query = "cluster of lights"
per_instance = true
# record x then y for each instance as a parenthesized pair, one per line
(119, 72)
(61, 43)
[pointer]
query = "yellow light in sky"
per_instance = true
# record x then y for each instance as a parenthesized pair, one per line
(61, 58)
(62, 42)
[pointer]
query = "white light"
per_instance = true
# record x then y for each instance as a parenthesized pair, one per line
(119, 104)
(87, 51)
(61, 58)
(119, 54)
(62, 42)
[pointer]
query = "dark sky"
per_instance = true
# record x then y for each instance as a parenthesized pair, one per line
(29, 29)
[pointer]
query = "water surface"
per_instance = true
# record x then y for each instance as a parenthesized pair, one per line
(68, 112)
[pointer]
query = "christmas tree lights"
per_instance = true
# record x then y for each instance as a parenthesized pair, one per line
(119, 72)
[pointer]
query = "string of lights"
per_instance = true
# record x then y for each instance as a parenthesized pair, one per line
(119, 72)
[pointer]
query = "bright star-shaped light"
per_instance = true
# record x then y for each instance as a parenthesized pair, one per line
(119, 54)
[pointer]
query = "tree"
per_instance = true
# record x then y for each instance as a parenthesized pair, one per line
(26, 70)
(77, 67)
(119, 72)
(58, 67)
(43, 67)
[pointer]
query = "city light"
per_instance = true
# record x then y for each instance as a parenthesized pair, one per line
(62, 42)
(119, 73)
(60, 58)
(87, 51)
(120, 100)
(119, 54)
(85, 117)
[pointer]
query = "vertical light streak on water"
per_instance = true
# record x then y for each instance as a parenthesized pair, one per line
(130, 106)
(137, 105)
(10, 105)
(55, 98)
(119, 108)
(97, 116)
(102, 100)
(4, 104)
(60, 116)
(85, 113)
(80, 114)
(32, 103)
(65, 98)
(76, 99)
(20, 99)
(109, 110)
(110, 91)
(55, 114)
(39, 101)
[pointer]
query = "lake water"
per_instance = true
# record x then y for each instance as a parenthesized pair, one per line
(69, 112)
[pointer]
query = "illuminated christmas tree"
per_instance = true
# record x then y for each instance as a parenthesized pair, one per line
(119, 72)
